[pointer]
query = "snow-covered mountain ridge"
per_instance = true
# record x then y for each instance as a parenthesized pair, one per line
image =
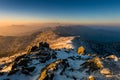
(56, 37)
(44, 63)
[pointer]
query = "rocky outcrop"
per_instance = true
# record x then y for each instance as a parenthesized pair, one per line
(48, 72)
(91, 78)
(113, 57)
(44, 63)
(93, 64)
(41, 45)
(105, 71)
(81, 50)
(98, 62)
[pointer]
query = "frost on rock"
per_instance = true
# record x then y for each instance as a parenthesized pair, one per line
(44, 63)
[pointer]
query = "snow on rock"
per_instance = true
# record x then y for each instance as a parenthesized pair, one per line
(115, 58)
(62, 42)
(105, 71)
(45, 63)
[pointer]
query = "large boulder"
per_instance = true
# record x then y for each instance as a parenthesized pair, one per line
(43, 44)
(98, 62)
(47, 72)
(113, 57)
(81, 50)
(105, 71)
(31, 49)
(91, 78)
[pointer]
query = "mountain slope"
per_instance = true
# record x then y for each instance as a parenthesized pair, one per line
(43, 63)
(89, 33)
(93, 38)
(10, 45)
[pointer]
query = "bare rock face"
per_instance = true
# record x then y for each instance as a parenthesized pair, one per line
(34, 48)
(81, 50)
(93, 64)
(105, 71)
(7, 68)
(47, 72)
(43, 44)
(98, 62)
(113, 57)
(91, 78)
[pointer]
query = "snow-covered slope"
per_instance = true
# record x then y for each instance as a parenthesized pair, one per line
(62, 42)
(44, 63)
(56, 40)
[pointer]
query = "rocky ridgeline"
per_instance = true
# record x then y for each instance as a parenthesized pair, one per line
(43, 63)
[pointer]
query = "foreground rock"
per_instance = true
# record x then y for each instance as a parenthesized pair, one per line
(47, 72)
(43, 63)
(113, 57)
(105, 71)
(91, 78)
(81, 50)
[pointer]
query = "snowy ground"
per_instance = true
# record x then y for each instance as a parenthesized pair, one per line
(32, 66)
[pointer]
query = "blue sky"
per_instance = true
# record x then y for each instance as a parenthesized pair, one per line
(76, 11)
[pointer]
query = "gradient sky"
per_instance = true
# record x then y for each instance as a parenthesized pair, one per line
(71, 11)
